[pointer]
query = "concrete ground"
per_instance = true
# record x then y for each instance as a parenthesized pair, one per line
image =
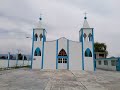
(26, 79)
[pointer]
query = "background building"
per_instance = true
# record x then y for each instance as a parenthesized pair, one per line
(108, 64)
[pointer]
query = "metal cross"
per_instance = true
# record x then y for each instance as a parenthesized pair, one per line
(85, 14)
(40, 16)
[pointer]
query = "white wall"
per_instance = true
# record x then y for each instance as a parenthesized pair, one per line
(12, 63)
(20, 62)
(62, 43)
(27, 62)
(3, 63)
(50, 55)
(88, 64)
(37, 62)
(75, 55)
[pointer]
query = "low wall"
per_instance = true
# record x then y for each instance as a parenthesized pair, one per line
(106, 67)
(4, 63)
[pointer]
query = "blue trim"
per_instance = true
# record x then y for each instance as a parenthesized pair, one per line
(106, 59)
(42, 51)
(62, 56)
(82, 51)
(79, 36)
(57, 54)
(94, 64)
(44, 38)
(118, 65)
(32, 49)
(68, 54)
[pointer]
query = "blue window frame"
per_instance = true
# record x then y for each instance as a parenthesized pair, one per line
(37, 52)
(88, 53)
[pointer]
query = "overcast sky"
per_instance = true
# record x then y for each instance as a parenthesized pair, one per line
(61, 18)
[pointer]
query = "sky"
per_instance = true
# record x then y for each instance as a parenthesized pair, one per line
(61, 18)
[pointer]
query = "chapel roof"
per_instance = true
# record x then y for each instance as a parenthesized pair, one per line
(39, 24)
(85, 24)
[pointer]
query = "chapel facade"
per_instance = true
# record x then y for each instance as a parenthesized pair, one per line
(63, 53)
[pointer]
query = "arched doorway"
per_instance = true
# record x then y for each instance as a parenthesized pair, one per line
(62, 59)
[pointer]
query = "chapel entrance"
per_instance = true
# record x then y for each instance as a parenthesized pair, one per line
(62, 59)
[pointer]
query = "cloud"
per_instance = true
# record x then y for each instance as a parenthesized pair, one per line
(61, 18)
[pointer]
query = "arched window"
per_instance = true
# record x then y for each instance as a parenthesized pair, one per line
(41, 36)
(62, 53)
(37, 52)
(83, 37)
(90, 37)
(62, 56)
(88, 53)
(35, 37)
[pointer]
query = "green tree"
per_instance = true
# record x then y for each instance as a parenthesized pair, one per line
(100, 47)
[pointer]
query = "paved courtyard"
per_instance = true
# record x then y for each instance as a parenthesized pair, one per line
(26, 79)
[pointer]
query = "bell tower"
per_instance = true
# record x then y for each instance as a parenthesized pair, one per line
(86, 37)
(39, 37)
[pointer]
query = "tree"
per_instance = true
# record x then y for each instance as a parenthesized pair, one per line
(11, 56)
(100, 47)
(20, 56)
(2, 57)
(25, 58)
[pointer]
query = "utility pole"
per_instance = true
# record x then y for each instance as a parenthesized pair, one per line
(8, 59)
(31, 52)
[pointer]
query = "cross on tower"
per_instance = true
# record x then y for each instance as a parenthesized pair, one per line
(40, 17)
(85, 15)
